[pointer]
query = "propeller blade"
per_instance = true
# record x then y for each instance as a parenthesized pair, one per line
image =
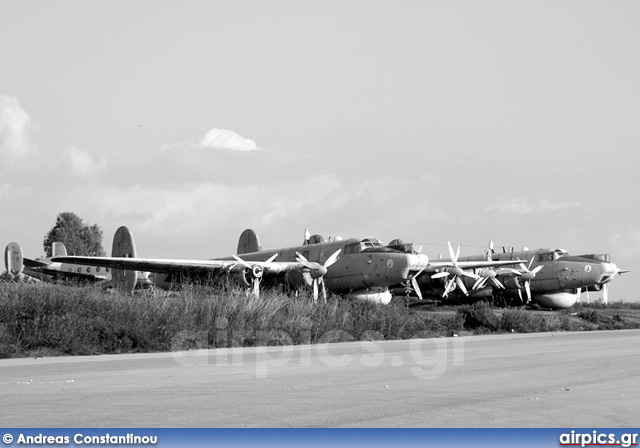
(239, 261)
(451, 255)
(605, 293)
(332, 259)
(470, 274)
(440, 274)
(461, 286)
(537, 269)
(300, 258)
(256, 287)
(416, 287)
(454, 257)
(324, 289)
(271, 258)
(479, 284)
(528, 290)
(315, 290)
(497, 282)
(523, 267)
(449, 286)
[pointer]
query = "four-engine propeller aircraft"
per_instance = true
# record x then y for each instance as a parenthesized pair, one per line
(45, 269)
(550, 278)
(48, 270)
(362, 268)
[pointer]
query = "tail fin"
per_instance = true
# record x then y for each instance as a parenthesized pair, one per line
(58, 249)
(249, 242)
(124, 246)
(13, 259)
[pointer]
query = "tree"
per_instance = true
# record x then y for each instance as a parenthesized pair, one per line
(78, 238)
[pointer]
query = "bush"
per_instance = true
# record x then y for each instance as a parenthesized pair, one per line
(479, 317)
(49, 320)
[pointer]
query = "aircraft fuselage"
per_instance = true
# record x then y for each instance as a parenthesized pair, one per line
(362, 264)
(560, 271)
(557, 283)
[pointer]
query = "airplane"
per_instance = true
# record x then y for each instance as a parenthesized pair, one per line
(550, 278)
(361, 268)
(48, 270)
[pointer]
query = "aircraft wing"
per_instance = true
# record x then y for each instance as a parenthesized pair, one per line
(57, 273)
(73, 275)
(167, 266)
(433, 265)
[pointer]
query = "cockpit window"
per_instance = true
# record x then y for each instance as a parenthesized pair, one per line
(561, 253)
(552, 256)
(362, 245)
(547, 256)
(351, 248)
(371, 242)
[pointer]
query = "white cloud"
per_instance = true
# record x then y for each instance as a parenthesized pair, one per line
(218, 139)
(15, 126)
(83, 163)
(519, 206)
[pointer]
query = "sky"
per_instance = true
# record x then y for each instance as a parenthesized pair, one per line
(431, 121)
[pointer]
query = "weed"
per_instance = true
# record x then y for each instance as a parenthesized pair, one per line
(50, 320)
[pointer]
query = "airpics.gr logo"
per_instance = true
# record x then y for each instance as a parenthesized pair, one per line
(598, 438)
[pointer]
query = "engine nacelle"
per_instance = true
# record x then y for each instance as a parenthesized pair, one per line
(511, 282)
(249, 274)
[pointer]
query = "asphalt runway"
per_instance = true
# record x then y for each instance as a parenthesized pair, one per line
(584, 379)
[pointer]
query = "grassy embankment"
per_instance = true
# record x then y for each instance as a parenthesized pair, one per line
(50, 320)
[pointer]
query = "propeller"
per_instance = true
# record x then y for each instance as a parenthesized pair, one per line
(455, 274)
(256, 272)
(485, 276)
(317, 272)
(616, 271)
(527, 275)
(605, 283)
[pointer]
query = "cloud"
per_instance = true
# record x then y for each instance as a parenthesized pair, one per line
(15, 126)
(83, 163)
(218, 139)
(519, 206)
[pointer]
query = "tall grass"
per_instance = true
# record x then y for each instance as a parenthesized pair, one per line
(49, 320)
(46, 320)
